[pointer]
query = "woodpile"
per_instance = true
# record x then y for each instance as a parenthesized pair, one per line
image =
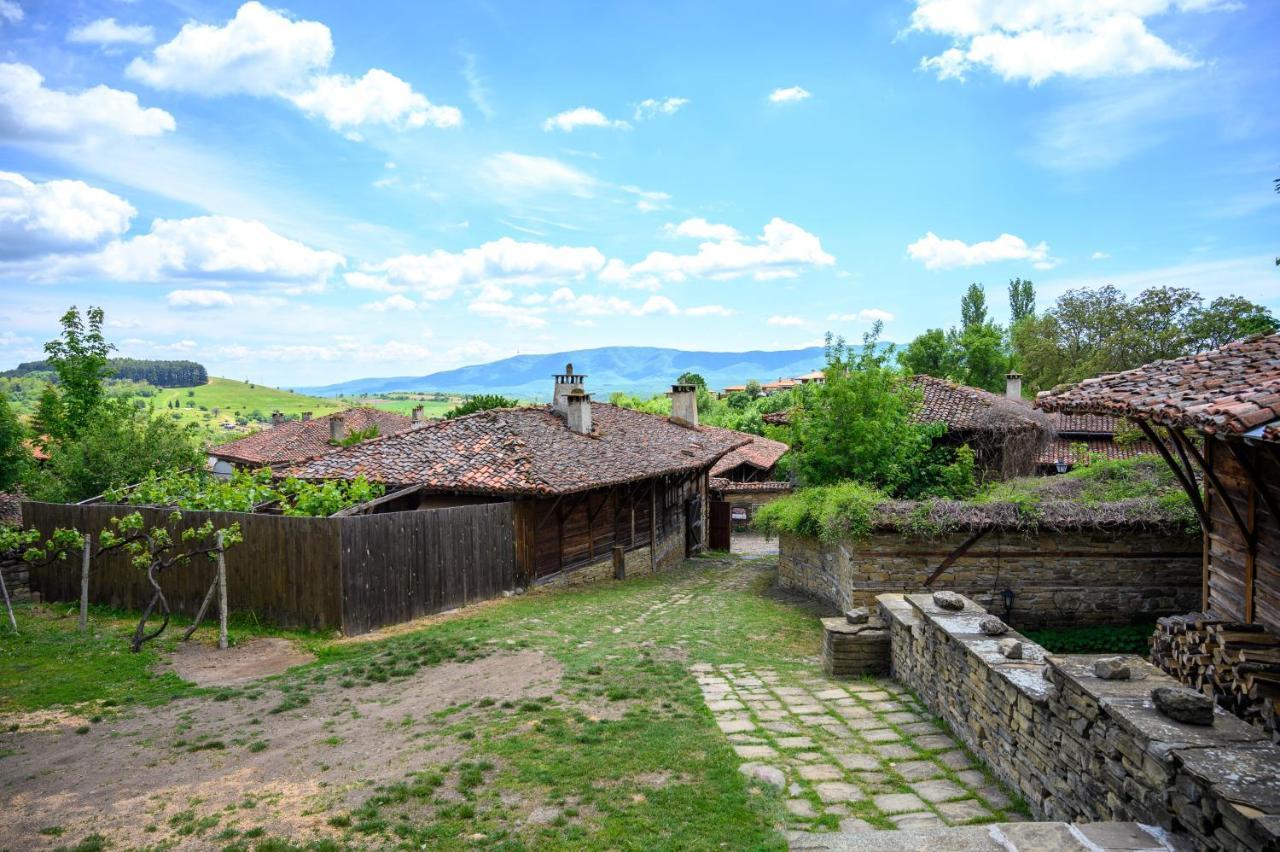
(1236, 664)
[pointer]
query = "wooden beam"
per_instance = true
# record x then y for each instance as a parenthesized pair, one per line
(1212, 479)
(1250, 559)
(1189, 486)
(956, 554)
(1255, 482)
(653, 526)
(361, 508)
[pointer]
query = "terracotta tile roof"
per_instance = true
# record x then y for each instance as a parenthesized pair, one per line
(777, 418)
(1230, 390)
(1063, 450)
(529, 451)
(762, 453)
(1084, 424)
(719, 483)
(966, 409)
(294, 440)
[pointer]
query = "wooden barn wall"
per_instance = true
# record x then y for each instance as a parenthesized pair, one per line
(285, 572)
(1242, 586)
(403, 565)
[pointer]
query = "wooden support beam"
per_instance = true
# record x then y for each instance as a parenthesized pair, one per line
(363, 508)
(1255, 481)
(1246, 532)
(956, 554)
(653, 526)
(1188, 485)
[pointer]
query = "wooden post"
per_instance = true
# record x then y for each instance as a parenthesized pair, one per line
(1250, 557)
(222, 594)
(84, 582)
(619, 562)
(653, 526)
(7, 605)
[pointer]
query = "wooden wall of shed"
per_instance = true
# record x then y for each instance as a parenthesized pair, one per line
(1243, 582)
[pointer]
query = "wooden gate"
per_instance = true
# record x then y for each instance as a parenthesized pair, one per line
(721, 525)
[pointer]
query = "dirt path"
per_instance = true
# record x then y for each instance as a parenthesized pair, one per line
(200, 762)
(205, 665)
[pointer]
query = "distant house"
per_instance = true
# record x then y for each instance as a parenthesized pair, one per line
(290, 441)
(732, 389)
(816, 377)
(1077, 435)
(584, 478)
(753, 462)
(770, 388)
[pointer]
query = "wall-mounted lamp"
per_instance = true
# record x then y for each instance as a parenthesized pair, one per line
(1007, 597)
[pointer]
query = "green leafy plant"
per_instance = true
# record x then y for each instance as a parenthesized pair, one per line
(244, 490)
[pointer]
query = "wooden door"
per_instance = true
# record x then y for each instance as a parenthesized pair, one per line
(721, 525)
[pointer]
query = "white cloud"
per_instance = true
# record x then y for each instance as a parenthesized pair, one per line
(341, 349)
(937, 253)
(58, 216)
(260, 52)
(709, 311)
(783, 250)
(653, 107)
(394, 302)
(376, 98)
(495, 302)
(1100, 255)
(521, 172)
(780, 320)
(789, 95)
(700, 229)
(570, 119)
(864, 315)
(209, 248)
(107, 31)
(11, 11)
(440, 274)
(647, 201)
(198, 300)
(264, 52)
(477, 91)
(30, 110)
(1034, 41)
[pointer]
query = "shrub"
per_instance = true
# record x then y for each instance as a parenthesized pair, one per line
(831, 513)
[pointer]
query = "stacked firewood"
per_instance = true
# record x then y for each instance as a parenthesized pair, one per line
(1237, 664)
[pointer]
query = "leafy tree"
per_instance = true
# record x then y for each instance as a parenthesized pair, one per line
(14, 458)
(983, 357)
(1229, 318)
(692, 379)
(931, 354)
(79, 357)
(50, 414)
(1022, 300)
(973, 306)
(480, 402)
(753, 389)
(116, 445)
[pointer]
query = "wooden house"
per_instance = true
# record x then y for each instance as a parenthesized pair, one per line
(290, 441)
(1215, 419)
(591, 484)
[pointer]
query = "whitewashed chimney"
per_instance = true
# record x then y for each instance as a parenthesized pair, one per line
(277, 418)
(417, 414)
(578, 411)
(684, 404)
(566, 382)
(1013, 385)
(337, 428)
(306, 416)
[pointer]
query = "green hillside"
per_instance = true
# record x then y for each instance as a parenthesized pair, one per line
(243, 404)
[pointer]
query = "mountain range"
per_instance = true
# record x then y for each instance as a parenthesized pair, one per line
(631, 369)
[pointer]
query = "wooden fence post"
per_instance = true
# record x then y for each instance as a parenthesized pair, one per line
(222, 594)
(619, 562)
(84, 582)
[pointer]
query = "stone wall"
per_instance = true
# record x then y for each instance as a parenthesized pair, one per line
(1057, 579)
(1079, 748)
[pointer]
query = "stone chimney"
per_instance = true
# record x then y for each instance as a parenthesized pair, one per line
(1013, 385)
(306, 415)
(578, 411)
(566, 382)
(684, 404)
(277, 418)
(416, 416)
(337, 428)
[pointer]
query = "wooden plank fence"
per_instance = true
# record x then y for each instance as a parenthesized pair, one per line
(352, 574)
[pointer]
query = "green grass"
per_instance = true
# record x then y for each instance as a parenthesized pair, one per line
(233, 398)
(404, 404)
(1127, 639)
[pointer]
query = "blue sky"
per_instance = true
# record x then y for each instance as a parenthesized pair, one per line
(308, 194)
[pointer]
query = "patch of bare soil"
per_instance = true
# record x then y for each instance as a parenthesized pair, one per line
(206, 665)
(191, 768)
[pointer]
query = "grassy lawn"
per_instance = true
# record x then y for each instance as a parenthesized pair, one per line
(233, 398)
(620, 752)
(404, 404)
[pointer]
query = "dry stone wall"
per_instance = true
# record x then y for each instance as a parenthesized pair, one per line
(1082, 748)
(1058, 580)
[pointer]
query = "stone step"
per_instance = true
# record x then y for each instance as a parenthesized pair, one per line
(999, 837)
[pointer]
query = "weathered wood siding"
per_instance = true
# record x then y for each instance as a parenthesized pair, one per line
(285, 572)
(404, 565)
(1243, 582)
(352, 573)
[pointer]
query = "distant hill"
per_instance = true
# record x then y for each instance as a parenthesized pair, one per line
(162, 374)
(631, 369)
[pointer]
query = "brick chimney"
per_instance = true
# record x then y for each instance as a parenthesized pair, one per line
(277, 418)
(684, 404)
(337, 428)
(578, 411)
(1013, 385)
(565, 382)
(306, 416)
(416, 416)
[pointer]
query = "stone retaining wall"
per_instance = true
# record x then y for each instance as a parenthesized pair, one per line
(1057, 580)
(1079, 748)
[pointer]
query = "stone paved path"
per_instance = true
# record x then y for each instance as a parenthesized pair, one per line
(852, 755)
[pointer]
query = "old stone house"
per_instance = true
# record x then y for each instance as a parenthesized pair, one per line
(289, 441)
